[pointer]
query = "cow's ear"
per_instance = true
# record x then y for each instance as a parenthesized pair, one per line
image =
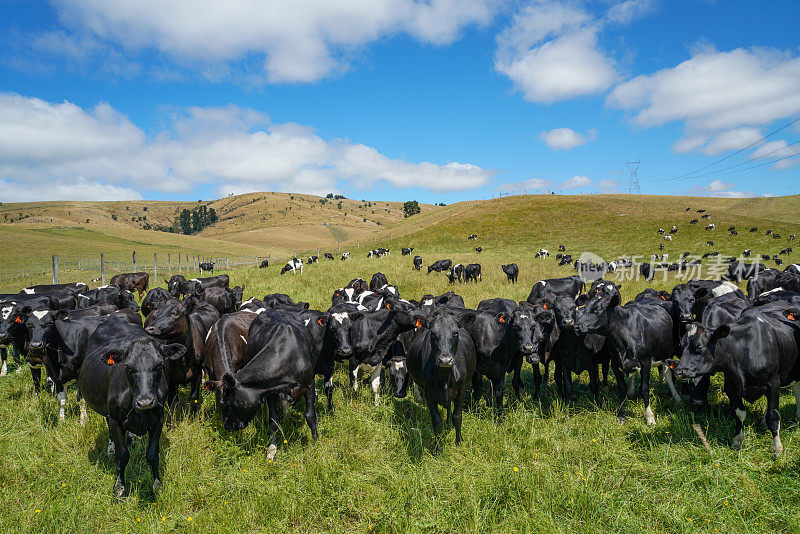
(322, 320)
(615, 300)
(466, 319)
(547, 304)
(502, 317)
(112, 358)
(212, 385)
(173, 351)
(619, 287)
(702, 293)
(355, 316)
(228, 380)
(664, 295)
(27, 310)
(793, 314)
(62, 315)
(166, 281)
(720, 332)
(582, 299)
(420, 321)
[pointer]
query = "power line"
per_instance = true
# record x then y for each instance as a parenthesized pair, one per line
(738, 151)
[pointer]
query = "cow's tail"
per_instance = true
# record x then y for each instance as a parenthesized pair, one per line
(583, 287)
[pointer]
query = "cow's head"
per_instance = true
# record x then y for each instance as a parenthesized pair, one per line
(545, 331)
(337, 323)
(683, 299)
(565, 308)
(444, 337)
(398, 374)
(238, 404)
(12, 319)
(171, 319)
(126, 300)
(698, 347)
(175, 285)
(238, 294)
(145, 363)
(41, 327)
(595, 316)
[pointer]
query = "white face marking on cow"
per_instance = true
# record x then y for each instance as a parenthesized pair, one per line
(349, 293)
(339, 317)
(428, 302)
(243, 339)
(6, 312)
(305, 323)
(40, 314)
(398, 365)
(29, 291)
(692, 330)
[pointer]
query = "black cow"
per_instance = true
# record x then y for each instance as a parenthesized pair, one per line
(638, 335)
(372, 336)
(124, 379)
(440, 265)
(478, 249)
(568, 285)
(774, 295)
(223, 299)
(132, 282)
(794, 269)
(512, 272)
(207, 266)
(772, 279)
(186, 322)
(178, 285)
(757, 354)
(121, 298)
(226, 344)
(64, 297)
(280, 364)
(154, 298)
(691, 298)
(472, 272)
(501, 340)
(378, 281)
(743, 271)
(264, 264)
(406, 251)
(417, 262)
(442, 359)
(75, 288)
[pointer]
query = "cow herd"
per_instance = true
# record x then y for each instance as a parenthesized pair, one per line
(202, 334)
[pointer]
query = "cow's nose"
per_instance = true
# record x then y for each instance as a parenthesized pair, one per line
(150, 330)
(145, 402)
(36, 345)
(346, 351)
(686, 317)
(527, 348)
(446, 361)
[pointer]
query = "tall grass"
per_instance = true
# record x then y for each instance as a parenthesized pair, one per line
(547, 466)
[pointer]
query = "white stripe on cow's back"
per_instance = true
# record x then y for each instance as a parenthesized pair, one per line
(771, 291)
(29, 291)
(339, 317)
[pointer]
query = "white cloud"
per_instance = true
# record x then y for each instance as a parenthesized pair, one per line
(718, 188)
(575, 182)
(562, 138)
(776, 150)
(689, 143)
(732, 140)
(608, 185)
(531, 184)
(299, 41)
(629, 10)
(63, 150)
(76, 189)
(715, 91)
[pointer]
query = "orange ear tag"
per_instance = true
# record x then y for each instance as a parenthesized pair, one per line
(319, 321)
(545, 306)
(501, 319)
(111, 360)
(791, 317)
(663, 297)
(18, 319)
(418, 323)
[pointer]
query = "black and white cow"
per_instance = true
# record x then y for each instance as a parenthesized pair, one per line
(293, 265)
(440, 265)
(417, 262)
(345, 256)
(264, 264)
(406, 251)
(207, 266)
(473, 272)
(456, 273)
(121, 298)
(328, 256)
(568, 285)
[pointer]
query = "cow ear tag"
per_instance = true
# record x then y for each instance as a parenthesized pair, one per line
(545, 306)
(791, 317)
(418, 324)
(18, 319)
(111, 360)
(501, 319)
(319, 321)
(663, 297)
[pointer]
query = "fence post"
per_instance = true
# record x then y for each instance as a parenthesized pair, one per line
(55, 269)
(134, 260)
(179, 263)
(169, 263)
(155, 266)
(102, 268)
(227, 264)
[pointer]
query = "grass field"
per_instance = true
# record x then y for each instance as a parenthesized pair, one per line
(546, 467)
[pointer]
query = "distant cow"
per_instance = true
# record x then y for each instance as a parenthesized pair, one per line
(473, 236)
(694, 221)
(264, 264)
(711, 226)
(543, 253)
(440, 265)
(293, 265)
(456, 273)
(406, 251)
(754, 229)
(346, 256)
(512, 272)
(328, 256)
(207, 266)
(473, 272)
(312, 259)
(417, 262)
(478, 249)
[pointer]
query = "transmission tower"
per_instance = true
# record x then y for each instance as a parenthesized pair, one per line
(633, 184)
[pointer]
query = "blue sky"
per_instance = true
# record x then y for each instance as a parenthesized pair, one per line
(434, 100)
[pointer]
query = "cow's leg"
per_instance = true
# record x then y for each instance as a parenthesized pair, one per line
(537, 380)
(477, 388)
(311, 410)
(375, 381)
(796, 390)
(36, 375)
(328, 390)
(121, 455)
(547, 369)
(272, 404)
(354, 374)
(644, 391)
(3, 358)
(436, 417)
(670, 383)
(516, 382)
(559, 380)
(172, 402)
(154, 436)
(61, 395)
(773, 418)
(458, 409)
(566, 378)
(605, 373)
(594, 383)
(417, 393)
(194, 394)
(498, 385)
(622, 392)
(81, 407)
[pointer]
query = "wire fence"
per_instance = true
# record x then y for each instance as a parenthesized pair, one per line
(97, 270)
